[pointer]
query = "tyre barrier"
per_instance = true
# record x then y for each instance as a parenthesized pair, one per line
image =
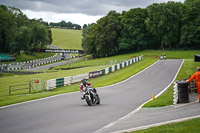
(27, 65)
(181, 92)
(175, 96)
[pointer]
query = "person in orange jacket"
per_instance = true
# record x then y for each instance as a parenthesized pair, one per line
(196, 76)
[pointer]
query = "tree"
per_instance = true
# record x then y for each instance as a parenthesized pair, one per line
(77, 27)
(88, 41)
(40, 34)
(50, 36)
(85, 26)
(133, 34)
(7, 28)
(21, 40)
(100, 39)
(108, 30)
(18, 33)
(190, 31)
(164, 21)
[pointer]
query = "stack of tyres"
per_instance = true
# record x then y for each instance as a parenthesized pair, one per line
(183, 92)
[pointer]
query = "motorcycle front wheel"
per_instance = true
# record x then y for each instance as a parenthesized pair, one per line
(88, 101)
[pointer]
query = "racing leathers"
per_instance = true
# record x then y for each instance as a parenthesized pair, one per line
(82, 88)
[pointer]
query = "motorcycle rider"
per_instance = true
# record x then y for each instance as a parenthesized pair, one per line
(196, 76)
(84, 85)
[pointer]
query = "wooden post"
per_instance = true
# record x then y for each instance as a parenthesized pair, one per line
(29, 87)
(9, 89)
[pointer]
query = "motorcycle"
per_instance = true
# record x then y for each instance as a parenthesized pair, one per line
(91, 96)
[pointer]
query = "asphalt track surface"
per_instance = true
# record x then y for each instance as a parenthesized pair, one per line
(68, 113)
(47, 67)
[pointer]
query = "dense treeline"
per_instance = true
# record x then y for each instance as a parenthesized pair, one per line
(67, 25)
(18, 33)
(159, 26)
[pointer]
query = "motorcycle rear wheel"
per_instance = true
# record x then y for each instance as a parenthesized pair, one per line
(98, 99)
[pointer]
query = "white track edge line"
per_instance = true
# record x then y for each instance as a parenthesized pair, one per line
(129, 77)
(157, 124)
(133, 112)
(45, 98)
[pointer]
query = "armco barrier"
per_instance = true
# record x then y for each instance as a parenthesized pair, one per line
(59, 82)
(54, 83)
(51, 84)
(102, 72)
(106, 71)
(66, 81)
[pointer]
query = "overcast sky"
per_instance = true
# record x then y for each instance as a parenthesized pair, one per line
(76, 11)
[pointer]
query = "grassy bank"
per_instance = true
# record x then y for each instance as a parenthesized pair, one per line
(67, 38)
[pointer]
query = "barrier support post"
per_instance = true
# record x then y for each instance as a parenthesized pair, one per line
(9, 90)
(30, 87)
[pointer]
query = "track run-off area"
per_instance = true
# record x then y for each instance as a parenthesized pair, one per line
(68, 113)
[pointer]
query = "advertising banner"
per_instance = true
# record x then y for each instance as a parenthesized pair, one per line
(59, 51)
(78, 78)
(94, 74)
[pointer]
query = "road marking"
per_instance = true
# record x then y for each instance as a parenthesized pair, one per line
(101, 130)
(37, 100)
(157, 124)
(133, 112)
(184, 104)
(171, 82)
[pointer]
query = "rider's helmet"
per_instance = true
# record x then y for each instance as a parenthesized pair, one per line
(84, 81)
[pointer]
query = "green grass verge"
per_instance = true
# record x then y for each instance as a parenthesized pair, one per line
(189, 126)
(67, 38)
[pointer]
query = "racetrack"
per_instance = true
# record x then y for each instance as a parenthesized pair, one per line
(68, 113)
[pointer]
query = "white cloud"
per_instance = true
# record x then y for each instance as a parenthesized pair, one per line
(76, 18)
(76, 11)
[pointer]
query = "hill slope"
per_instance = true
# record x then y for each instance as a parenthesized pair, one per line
(67, 38)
